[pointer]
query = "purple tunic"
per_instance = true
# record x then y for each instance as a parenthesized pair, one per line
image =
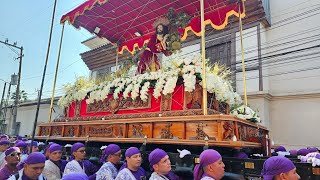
(139, 173)
(90, 169)
(5, 172)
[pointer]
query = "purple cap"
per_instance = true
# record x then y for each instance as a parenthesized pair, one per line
(76, 146)
(313, 149)
(207, 157)
(19, 137)
(77, 176)
(318, 156)
(35, 158)
(3, 142)
(11, 150)
(132, 151)
(35, 144)
(240, 155)
(24, 139)
(303, 152)
(55, 147)
(280, 148)
(276, 165)
(4, 136)
(293, 152)
(155, 156)
(48, 147)
(110, 149)
(21, 144)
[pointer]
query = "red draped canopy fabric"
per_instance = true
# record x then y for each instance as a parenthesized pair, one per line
(118, 20)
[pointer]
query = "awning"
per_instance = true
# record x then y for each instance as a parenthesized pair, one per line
(118, 20)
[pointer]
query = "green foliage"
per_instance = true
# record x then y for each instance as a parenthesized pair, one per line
(23, 96)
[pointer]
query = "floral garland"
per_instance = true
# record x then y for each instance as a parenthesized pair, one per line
(163, 82)
(245, 112)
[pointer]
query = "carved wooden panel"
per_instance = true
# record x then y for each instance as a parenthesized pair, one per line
(71, 131)
(168, 130)
(166, 102)
(116, 130)
(249, 133)
(45, 131)
(56, 131)
(193, 99)
(139, 130)
(77, 108)
(83, 131)
(114, 105)
(199, 130)
(228, 130)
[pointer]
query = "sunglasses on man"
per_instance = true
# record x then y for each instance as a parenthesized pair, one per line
(15, 154)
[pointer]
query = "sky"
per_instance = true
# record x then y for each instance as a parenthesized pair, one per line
(28, 23)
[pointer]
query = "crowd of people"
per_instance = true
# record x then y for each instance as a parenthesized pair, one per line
(21, 160)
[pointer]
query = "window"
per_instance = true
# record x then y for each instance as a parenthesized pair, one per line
(220, 53)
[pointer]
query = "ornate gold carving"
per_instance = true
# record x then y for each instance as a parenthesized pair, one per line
(106, 131)
(56, 130)
(242, 133)
(137, 131)
(83, 131)
(189, 112)
(77, 108)
(45, 131)
(114, 105)
(201, 135)
(166, 102)
(228, 130)
(70, 132)
(193, 98)
(166, 133)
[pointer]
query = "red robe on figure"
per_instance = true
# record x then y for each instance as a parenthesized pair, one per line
(154, 47)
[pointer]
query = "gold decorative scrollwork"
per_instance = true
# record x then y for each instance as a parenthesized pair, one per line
(137, 131)
(228, 130)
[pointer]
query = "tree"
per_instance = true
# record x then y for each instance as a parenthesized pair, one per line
(23, 96)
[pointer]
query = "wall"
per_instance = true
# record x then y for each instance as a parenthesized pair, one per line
(26, 115)
(295, 121)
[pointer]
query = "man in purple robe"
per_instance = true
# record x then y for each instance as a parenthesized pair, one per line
(161, 165)
(32, 168)
(279, 168)
(111, 158)
(131, 169)
(79, 164)
(54, 166)
(4, 145)
(12, 158)
(210, 167)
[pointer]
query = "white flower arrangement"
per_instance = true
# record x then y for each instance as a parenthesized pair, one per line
(163, 82)
(245, 112)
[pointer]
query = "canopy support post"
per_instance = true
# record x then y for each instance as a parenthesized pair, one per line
(43, 75)
(203, 57)
(56, 75)
(242, 58)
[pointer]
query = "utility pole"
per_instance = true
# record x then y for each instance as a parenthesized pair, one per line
(16, 102)
(1, 104)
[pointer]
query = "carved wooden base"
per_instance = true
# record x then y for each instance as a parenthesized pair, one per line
(190, 129)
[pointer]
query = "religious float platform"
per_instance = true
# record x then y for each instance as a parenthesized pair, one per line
(174, 119)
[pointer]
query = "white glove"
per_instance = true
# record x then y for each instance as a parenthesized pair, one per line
(183, 153)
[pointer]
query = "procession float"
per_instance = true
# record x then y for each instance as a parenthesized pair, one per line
(181, 101)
